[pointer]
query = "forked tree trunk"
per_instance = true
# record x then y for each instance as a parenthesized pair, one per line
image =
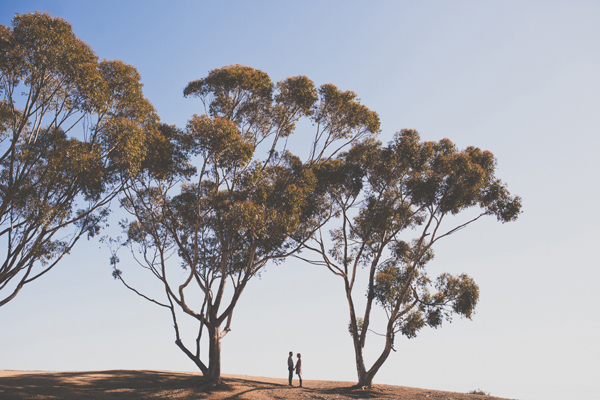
(361, 370)
(212, 372)
(360, 362)
(192, 357)
(366, 377)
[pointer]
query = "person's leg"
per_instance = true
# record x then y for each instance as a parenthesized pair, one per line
(291, 375)
(300, 378)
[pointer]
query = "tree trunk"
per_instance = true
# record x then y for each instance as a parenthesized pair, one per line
(366, 378)
(356, 337)
(360, 361)
(192, 357)
(214, 355)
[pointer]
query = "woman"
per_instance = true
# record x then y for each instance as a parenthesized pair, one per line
(299, 369)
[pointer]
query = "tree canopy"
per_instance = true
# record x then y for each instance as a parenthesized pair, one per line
(212, 203)
(236, 199)
(72, 130)
(380, 196)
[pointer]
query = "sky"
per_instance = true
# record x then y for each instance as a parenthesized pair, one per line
(518, 78)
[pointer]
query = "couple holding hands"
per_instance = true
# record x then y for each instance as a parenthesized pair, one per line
(298, 368)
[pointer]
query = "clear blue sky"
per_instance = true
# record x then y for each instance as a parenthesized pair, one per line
(518, 78)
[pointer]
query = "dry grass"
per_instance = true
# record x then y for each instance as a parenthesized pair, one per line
(118, 384)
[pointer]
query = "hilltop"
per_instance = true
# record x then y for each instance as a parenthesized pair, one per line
(134, 384)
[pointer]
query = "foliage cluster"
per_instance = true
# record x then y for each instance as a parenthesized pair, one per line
(55, 188)
(225, 208)
(224, 196)
(379, 195)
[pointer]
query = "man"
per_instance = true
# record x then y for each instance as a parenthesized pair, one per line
(291, 367)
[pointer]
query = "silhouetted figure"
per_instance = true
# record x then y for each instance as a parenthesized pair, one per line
(291, 367)
(299, 368)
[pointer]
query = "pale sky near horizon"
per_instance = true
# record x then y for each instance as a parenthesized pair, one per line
(518, 78)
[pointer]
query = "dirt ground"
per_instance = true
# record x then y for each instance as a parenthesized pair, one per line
(119, 384)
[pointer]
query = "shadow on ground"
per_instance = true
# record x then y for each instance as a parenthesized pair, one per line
(125, 384)
(116, 384)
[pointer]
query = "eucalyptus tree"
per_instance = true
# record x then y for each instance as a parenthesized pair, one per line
(381, 196)
(72, 130)
(223, 197)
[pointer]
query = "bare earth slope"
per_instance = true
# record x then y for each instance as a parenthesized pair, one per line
(120, 384)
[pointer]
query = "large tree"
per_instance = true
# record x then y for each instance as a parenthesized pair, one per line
(381, 196)
(222, 198)
(72, 130)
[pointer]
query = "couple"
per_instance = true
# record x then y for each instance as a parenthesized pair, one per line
(298, 368)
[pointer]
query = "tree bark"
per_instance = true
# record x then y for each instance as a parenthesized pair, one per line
(214, 354)
(192, 357)
(212, 372)
(356, 335)
(360, 362)
(366, 379)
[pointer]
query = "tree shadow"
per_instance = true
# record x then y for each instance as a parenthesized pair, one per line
(133, 384)
(355, 392)
(113, 384)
